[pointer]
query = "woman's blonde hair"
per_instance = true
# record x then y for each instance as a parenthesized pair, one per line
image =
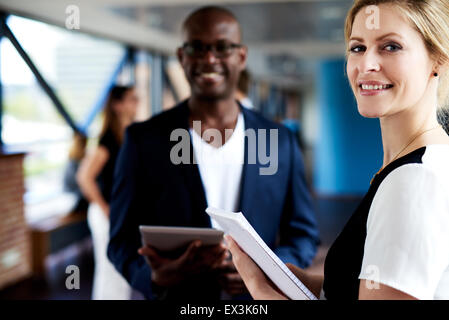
(431, 19)
(77, 150)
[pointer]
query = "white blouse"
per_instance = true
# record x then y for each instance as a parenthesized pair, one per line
(407, 243)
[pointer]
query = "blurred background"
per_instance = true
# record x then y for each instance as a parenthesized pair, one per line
(54, 77)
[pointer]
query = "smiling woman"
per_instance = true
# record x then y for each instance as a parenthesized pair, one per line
(396, 244)
(429, 36)
(397, 71)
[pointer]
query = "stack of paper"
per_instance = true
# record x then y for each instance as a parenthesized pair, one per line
(236, 225)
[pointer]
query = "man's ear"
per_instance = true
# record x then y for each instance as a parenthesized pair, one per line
(243, 55)
(179, 54)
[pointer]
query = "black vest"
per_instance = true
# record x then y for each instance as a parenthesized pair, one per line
(344, 259)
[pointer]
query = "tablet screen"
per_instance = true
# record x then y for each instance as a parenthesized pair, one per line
(173, 239)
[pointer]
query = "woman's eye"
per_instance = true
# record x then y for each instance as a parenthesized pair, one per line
(357, 49)
(392, 47)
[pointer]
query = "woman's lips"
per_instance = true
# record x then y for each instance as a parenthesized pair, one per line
(371, 88)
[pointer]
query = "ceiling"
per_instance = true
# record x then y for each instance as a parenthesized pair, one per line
(285, 38)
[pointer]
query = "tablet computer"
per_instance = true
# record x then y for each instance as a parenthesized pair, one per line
(173, 238)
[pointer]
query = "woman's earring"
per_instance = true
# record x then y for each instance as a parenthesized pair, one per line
(435, 74)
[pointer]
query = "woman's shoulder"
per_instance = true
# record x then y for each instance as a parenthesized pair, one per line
(107, 139)
(413, 198)
(436, 158)
(431, 163)
(416, 183)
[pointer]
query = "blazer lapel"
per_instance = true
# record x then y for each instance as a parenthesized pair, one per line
(191, 175)
(249, 173)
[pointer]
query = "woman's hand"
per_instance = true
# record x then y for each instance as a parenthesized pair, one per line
(259, 286)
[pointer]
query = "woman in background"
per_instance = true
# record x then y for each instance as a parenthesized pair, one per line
(95, 178)
(396, 244)
(76, 155)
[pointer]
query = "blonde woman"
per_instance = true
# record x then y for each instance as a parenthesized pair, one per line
(396, 244)
(95, 178)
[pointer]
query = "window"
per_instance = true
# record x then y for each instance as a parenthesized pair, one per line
(78, 67)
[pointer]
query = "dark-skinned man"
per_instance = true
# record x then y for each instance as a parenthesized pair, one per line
(151, 188)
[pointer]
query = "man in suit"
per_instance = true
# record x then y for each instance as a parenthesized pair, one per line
(153, 188)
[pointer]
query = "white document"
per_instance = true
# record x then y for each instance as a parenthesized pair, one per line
(236, 225)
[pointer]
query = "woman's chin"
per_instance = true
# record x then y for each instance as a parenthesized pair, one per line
(369, 112)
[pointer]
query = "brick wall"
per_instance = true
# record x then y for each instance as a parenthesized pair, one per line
(15, 251)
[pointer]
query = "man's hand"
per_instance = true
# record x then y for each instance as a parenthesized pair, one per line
(196, 259)
(229, 279)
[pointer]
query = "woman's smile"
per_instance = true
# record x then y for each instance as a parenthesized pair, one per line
(373, 88)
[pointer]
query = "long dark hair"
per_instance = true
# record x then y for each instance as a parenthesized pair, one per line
(111, 121)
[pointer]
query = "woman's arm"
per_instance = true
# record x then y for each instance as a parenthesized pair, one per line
(371, 290)
(87, 174)
(313, 282)
(258, 285)
(261, 288)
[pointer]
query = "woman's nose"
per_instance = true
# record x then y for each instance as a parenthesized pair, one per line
(370, 62)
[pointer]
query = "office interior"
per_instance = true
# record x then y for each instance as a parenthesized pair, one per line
(55, 75)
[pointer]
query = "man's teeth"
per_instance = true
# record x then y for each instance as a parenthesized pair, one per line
(210, 74)
(375, 87)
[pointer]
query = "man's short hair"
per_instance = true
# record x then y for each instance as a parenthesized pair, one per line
(207, 10)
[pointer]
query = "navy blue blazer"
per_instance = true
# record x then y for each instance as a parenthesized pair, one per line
(150, 190)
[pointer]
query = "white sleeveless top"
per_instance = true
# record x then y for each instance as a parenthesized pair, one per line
(407, 243)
